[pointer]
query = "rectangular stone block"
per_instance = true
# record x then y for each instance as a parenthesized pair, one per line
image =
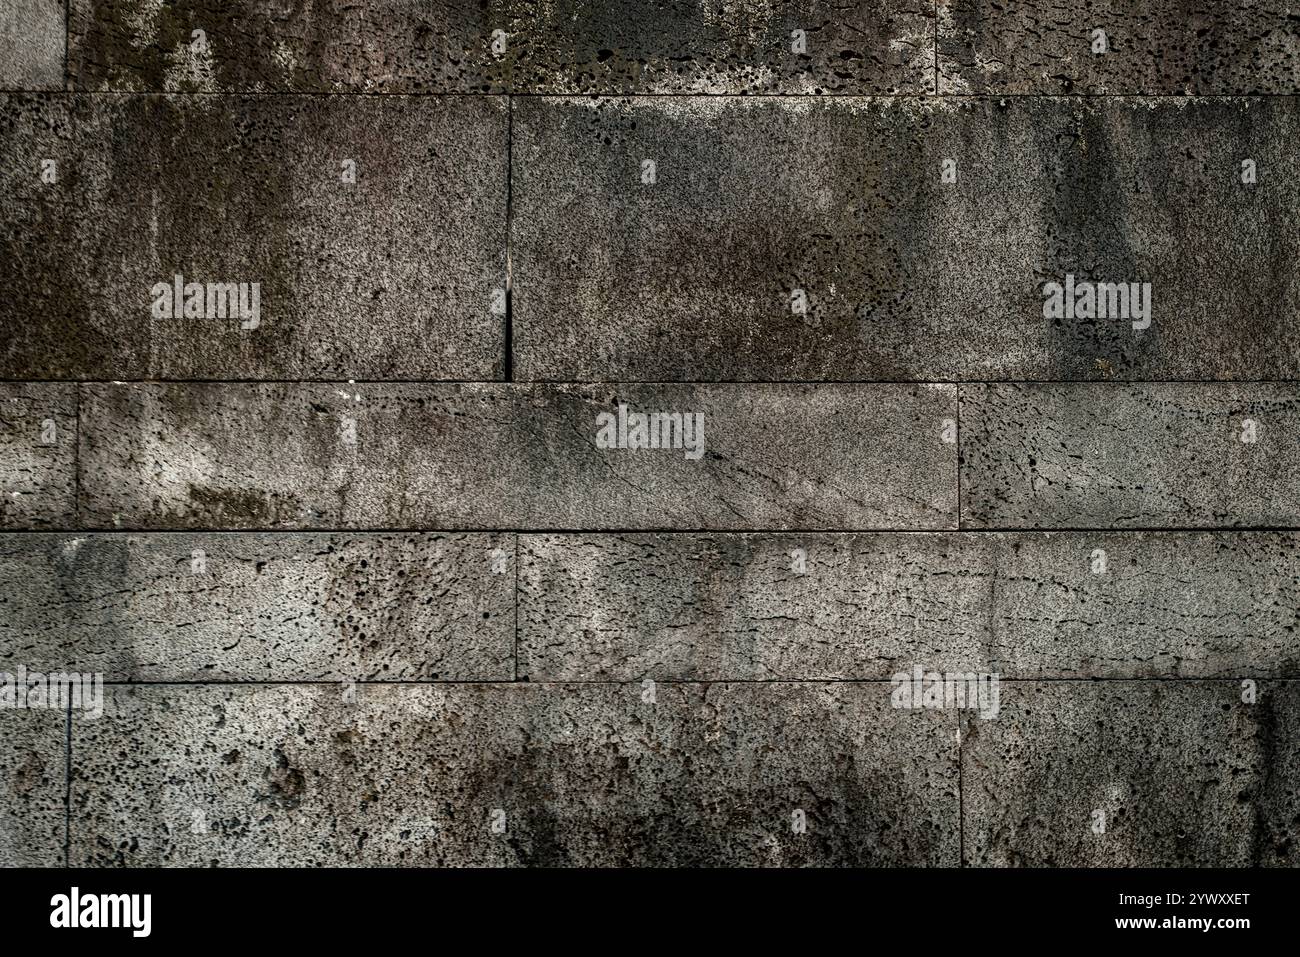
(514, 774)
(751, 607)
(368, 235)
(254, 46)
(503, 456)
(1024, 605)
(260, 607)
(1145, 604)
(33, 786)
(1155, 455)
(1132, 774)
(32, 45)
(523, 46)
(38, 455)
(884, 239)
(1154, 47)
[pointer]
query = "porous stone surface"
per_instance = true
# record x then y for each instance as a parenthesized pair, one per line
(38, 454)
(1131, 774)
(512, 457)
(32, 42)
(750, 607)
(514, 774)
(1110, 455)
(391, 276)
(797, 238)
(33, 785)
(868, 606)
(260, 607)
(1153, 46)
(1157, 605)
(522, 46)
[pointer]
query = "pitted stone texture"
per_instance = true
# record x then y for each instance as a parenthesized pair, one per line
(523, 46)
(592, 775)
(697, 276)
(630, 46)
(1277, 839)
(1023, 605)
(1146, 605)
(33, 784)
(1156, 455)
(720, 607)
(268, 607)
(1184, 772)
(1151, 47)
(32, 42)
(38, 454)
(255, 46)
(392, 276)
(499, 456)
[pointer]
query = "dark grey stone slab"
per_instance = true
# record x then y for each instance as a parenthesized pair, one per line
(38, 454)
(1157, 455)
(1153, 47)
(33, 782)
(247, 46)
(867, 606)
(1171, 773)
(513, 457)
(32, 41)
(903, 276)
(391, 276)
(626, 46)
(260, 607)
(750, 607)
(1146, 604)
(592, 775)
(575, 46)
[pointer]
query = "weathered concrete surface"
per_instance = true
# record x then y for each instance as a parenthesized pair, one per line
(32, 41)
(497, 456)
(585, 775)
(719, 607)
(1161, 455)
(1146, 604)
(388, 277)
(378, 46)
(1184, 772)
(33, 785)
(575, 46)
(268, 607)
(38, 454)
(905, 276)
(1155, 47)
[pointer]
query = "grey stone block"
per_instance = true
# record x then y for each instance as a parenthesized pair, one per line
(592, 775)
(33, 786)
(737, 607)
(32, 45)
(576, 46)
(1146, 605)
(250, 46)
(697, 276)
(1184, 772)
(38, 455)
(628, 46)
(1158, 455)
(1155, 47)
(260, 607)
(392, 276)
(499, 456)
(1023, 605)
